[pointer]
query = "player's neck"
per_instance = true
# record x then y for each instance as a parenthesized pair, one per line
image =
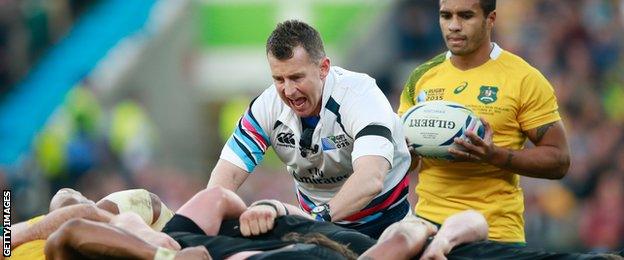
(475, 59)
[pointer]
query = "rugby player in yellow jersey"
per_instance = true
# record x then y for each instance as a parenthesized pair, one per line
(515, 102)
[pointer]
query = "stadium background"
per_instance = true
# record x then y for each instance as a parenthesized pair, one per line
(104, 95)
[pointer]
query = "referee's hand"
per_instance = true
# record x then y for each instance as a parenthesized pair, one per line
(257, 220)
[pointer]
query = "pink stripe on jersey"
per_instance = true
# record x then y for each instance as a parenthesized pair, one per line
(303, 203)
(248, 127)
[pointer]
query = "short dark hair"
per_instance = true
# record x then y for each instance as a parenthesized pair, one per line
(488, 6)
(292, 33)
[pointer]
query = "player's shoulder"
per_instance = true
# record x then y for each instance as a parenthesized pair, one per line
(425, 67)
(269, 93)
(432, 62)
(355, 83)
(266, 100)
(516, 64)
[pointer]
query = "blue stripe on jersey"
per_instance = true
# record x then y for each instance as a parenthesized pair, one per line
(254, 149)
(370, 218)
(306, 200)
(242, 152)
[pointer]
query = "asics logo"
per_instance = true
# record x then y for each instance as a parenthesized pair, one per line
(460, 88)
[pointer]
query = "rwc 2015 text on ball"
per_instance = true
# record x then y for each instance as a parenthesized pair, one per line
(6, 223)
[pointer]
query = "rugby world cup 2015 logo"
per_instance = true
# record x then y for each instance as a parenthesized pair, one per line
(334, 142)
(487, 94)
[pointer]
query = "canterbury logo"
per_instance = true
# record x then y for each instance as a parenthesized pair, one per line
(286, 138)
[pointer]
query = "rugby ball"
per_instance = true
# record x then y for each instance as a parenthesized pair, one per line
(430, 127)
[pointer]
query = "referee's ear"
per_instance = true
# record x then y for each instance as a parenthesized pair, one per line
(324, 64)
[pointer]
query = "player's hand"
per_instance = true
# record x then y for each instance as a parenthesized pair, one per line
(197, 252)
(437, 250)
(415, 157)
(475, 148)
(257, 219)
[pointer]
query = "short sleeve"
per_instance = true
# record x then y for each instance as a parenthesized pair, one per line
(248, 143)
(538, 102)
(371, 122)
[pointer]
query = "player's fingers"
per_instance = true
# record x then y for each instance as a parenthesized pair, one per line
(426, 255)
(471, 151)
(270, 223)
(254, 227)
(244, 226)
(430, 255)
(478, 151)
(488, 130)
(459, 155)
(173, 244)
(468, 146)
(262, 225)
(475, 139)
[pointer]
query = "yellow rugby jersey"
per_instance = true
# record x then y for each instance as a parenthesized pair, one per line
(513, 97)
(32, 250)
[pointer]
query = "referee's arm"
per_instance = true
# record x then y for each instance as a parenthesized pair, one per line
(363, 185)
(227, 175)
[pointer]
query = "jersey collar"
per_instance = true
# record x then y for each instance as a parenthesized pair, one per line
(328, 89)
(494, 54)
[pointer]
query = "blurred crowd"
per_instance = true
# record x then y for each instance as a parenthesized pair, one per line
(578, 45)
(27, 29)
(97, 150)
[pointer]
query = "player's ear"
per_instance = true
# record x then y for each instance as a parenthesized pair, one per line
(490, 19)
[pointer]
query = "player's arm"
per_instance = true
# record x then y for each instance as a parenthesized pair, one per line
(52, 221)
(245, 148)
(464, 227)
(227, 175)
(549, 159)
(212, 205)
(373, 151)
(79, 238)
(361, 187)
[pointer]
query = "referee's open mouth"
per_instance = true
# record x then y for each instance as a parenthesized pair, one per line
(298, 103)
